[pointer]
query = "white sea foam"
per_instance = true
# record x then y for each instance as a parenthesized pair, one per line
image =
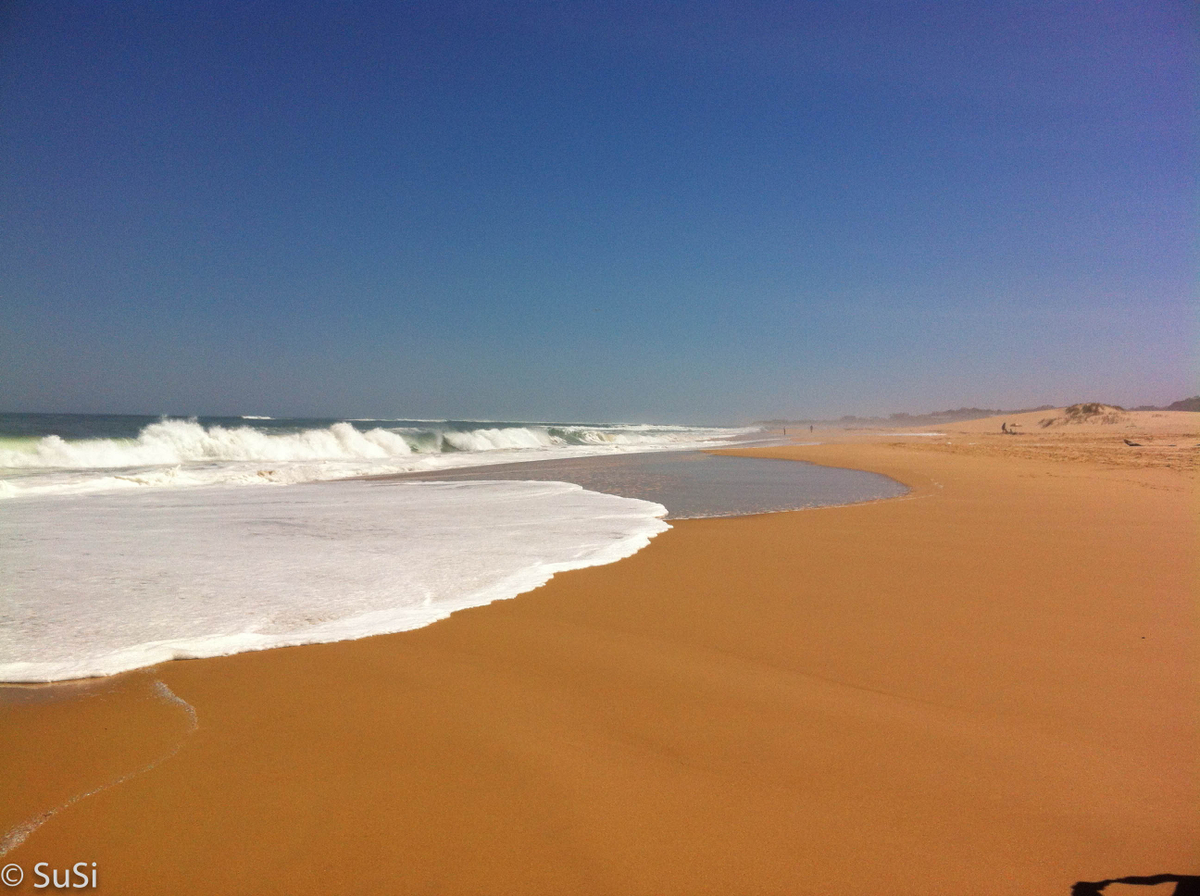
(186, 441)
(94, 585)
(182, 453)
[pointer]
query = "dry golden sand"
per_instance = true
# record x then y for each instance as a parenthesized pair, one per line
(989, 686)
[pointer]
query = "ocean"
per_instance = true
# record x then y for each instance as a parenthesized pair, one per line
(57, 454)
(127, 541)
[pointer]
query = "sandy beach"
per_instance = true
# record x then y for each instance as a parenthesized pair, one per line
(988, 686)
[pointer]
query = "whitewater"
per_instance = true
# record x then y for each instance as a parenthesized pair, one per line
(99, 584)
(103, 453)
(126, 542)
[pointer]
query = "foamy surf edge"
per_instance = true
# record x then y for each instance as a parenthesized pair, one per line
(588, 529)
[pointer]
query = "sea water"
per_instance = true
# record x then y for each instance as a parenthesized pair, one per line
(696, 484)
(97, 584)
(128, 541)
(48, 454)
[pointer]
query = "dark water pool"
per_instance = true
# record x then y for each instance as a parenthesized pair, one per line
(693, 484)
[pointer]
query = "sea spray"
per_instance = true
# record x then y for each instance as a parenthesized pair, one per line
(87, 455)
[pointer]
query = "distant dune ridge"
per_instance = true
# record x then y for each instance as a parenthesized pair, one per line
(1089, 431)
(902, 419)
(1084, 412)
(1091, 412)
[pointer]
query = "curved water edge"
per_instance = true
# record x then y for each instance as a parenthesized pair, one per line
(99, 581)
(100, 584)
(18, 834)
(695, 484)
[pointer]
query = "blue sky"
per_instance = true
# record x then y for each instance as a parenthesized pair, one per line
(700, 212)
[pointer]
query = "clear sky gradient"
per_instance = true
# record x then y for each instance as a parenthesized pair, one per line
(694, 212)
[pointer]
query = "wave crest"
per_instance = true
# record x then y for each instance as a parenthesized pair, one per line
(172, 442)
(174, 453)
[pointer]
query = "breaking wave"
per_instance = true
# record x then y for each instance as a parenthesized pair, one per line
(186, 441)
(177, 453)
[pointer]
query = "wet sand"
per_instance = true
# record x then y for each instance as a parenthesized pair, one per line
(988, 686)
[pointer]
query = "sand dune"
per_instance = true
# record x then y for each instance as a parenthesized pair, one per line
(1169, 439)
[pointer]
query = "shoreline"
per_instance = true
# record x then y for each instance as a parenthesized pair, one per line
(213, 571)
(987, 687)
